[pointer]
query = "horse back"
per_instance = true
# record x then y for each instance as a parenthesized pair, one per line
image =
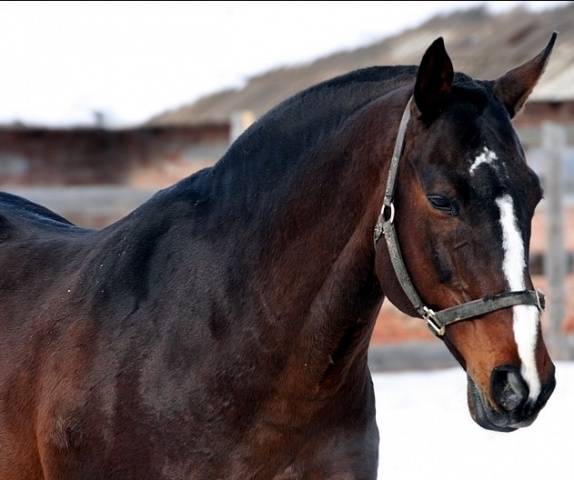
(24, 216)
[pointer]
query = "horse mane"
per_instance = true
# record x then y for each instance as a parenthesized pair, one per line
(295, 125)
(267, 155)
(260, 167)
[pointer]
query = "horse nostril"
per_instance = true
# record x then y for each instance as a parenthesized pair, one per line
(509, 390)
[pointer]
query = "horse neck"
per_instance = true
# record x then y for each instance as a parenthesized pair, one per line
(291, 258)
(319, 278)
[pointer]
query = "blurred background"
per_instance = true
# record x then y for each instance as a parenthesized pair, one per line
(103, 103)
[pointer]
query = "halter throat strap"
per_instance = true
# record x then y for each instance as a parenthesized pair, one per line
(436, 320)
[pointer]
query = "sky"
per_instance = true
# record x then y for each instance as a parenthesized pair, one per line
(61, 62)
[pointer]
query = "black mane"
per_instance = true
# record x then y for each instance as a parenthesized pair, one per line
(293, 128)
(266, 156)
(259, 165)
(297, 124)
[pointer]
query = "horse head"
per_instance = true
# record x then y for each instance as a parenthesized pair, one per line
(464, 202)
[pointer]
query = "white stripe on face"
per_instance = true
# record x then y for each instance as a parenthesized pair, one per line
(525, 317)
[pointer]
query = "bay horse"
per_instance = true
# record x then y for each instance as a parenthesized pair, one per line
(220, 331)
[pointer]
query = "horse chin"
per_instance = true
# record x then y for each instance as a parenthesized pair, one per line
(485, 416)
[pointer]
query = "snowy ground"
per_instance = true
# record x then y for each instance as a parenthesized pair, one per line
(427, 433)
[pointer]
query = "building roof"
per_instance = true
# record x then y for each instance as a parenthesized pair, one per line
(481, 44)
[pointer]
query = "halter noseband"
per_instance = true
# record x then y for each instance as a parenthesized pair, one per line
(437, 321)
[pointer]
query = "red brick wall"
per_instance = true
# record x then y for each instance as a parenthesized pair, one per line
(84, 156)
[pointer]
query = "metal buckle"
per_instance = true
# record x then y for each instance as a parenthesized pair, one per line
(429, 315)
(391, 218)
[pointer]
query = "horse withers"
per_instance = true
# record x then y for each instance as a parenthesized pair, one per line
(220, 331)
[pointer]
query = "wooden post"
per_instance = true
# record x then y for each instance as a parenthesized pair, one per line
(240, 121)
(554, 147)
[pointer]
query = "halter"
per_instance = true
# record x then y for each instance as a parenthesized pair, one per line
(437, 321)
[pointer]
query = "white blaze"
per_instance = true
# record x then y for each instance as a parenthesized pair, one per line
(487, 156)
(525, 317)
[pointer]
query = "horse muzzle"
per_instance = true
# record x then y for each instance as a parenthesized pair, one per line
(513, 408)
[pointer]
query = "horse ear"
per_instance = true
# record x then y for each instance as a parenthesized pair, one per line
(434, 79)
(514, 87)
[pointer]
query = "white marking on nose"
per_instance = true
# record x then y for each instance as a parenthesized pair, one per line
(487, 156)
(525, 317)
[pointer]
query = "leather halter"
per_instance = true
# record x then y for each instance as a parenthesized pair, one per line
(436, 320)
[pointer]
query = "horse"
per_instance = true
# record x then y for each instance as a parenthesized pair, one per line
(221, 329)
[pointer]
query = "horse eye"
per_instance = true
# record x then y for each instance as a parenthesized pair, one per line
(443, 203)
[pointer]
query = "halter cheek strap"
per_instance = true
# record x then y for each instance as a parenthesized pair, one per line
(436, 320)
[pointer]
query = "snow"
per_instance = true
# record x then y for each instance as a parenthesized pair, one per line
(426, 431)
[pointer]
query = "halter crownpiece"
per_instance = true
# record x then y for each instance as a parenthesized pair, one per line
(436, 320)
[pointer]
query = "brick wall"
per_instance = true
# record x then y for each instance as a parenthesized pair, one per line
(86, 156)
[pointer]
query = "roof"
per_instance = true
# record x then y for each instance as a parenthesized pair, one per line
(481, 44)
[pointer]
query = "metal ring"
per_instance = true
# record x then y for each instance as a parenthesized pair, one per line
(391, 218)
